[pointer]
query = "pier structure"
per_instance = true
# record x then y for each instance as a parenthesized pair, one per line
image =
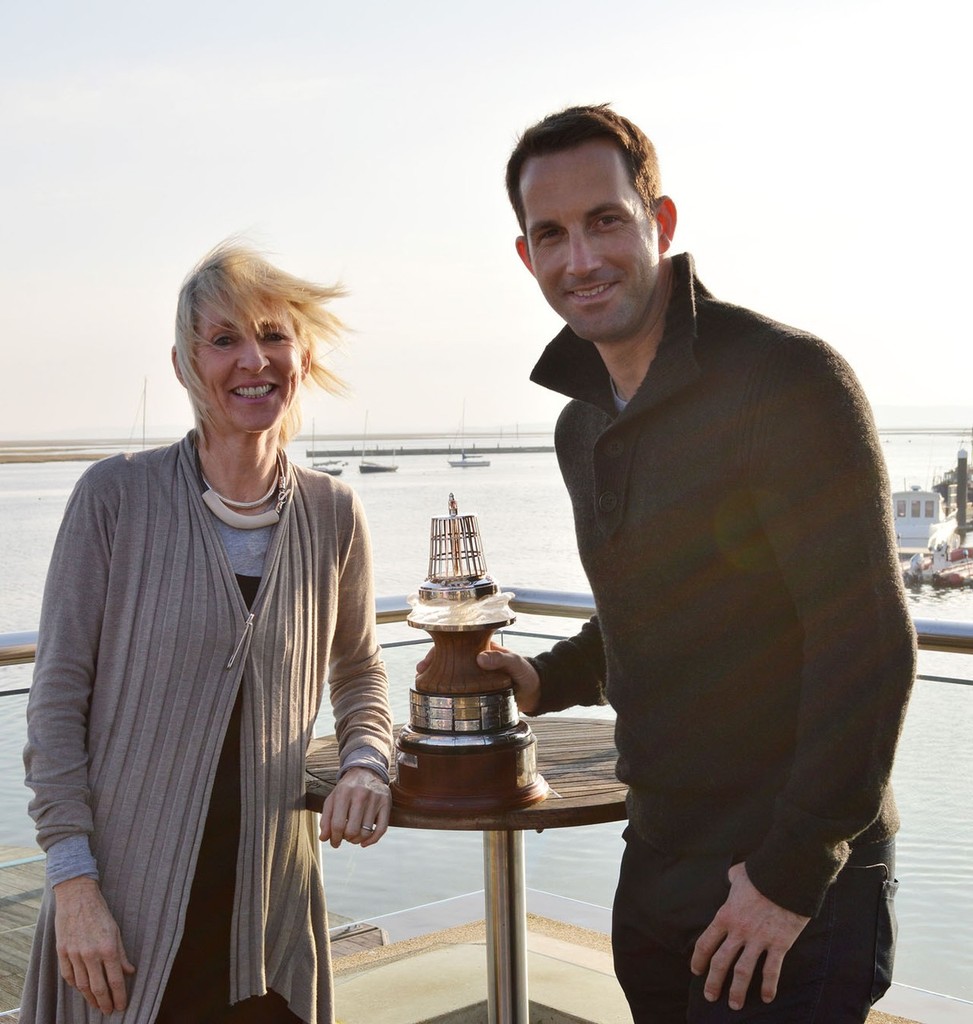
(371, 451)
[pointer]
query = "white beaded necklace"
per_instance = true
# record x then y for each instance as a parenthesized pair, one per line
(220, 506)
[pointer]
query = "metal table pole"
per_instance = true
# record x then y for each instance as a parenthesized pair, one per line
(506, 927)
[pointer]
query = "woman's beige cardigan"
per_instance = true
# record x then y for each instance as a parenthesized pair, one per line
(144, 643)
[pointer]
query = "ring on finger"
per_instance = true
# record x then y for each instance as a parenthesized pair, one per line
(369, 828)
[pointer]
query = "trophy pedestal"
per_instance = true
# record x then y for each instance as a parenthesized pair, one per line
(442, 774)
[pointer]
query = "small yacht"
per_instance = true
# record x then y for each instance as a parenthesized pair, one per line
(368, 466)
(467, 460)
(332, 467)
(917, 513)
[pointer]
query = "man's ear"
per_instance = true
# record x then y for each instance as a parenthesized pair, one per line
(524, 253)
(665, 219)
(175, 366)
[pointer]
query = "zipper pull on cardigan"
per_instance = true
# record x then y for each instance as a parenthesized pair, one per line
(244, 640)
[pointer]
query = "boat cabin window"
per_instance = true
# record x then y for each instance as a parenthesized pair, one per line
(916, 508)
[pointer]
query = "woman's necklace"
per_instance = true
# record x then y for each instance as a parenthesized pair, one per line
(220, 506)
(245, 504)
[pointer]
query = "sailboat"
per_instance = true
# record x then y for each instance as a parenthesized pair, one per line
(369, 465)
(141, 410)
(366, 466)
(466, 460)
(332, 467)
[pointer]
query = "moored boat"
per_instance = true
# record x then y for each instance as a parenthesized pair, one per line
(468, 460)
(333, 467)
(917, 513)
(958, 570)
(366, 466)
(941, 567)
(370, 466)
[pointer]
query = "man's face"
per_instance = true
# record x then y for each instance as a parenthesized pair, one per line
(590, 242)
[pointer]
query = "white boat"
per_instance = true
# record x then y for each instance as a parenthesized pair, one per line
(917, 513)
(467, 460)
(943, 566)
(333, 467)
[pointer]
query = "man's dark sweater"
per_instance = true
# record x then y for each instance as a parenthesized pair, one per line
(751, 632)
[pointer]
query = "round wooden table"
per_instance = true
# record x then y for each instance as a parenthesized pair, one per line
(577, 758)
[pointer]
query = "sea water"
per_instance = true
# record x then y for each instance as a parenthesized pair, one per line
(525, 523)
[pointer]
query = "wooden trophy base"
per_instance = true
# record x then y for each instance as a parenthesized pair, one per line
(448, 773)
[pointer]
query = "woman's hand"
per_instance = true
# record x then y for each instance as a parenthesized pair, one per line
(89, 945)
(357, 810)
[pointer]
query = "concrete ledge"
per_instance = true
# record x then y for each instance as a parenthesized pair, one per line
(915, 1004)
(440, 978)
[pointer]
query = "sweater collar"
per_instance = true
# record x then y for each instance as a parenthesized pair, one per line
(572, 366)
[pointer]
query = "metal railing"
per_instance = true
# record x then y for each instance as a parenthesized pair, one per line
(947, 636)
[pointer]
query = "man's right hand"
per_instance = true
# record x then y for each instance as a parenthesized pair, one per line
(89, 945)
(523, 675)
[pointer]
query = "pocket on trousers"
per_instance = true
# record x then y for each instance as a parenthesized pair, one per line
(885, 935)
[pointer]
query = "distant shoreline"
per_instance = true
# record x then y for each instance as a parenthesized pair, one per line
(93, 449)
(59, 450)
(7, 458)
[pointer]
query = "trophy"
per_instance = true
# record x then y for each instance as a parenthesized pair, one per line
(465, 746)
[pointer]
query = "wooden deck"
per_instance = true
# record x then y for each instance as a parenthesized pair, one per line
(20, 897)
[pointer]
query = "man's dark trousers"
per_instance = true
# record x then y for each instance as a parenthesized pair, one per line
(839, 965)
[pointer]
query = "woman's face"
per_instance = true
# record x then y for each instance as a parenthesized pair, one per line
(250, 373)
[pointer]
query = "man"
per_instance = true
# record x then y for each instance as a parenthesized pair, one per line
(733, 518)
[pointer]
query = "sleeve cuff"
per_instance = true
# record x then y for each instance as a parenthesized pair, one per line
(365, 757)
(70, 858)
(795, 874)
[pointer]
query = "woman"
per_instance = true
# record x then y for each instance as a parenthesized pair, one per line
(198, 598)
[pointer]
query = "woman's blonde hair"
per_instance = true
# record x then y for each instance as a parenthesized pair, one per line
(236, 283)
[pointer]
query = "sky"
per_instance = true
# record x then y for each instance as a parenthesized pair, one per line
(816, 153)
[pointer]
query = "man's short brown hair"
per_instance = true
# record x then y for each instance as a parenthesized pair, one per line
(573, 126)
